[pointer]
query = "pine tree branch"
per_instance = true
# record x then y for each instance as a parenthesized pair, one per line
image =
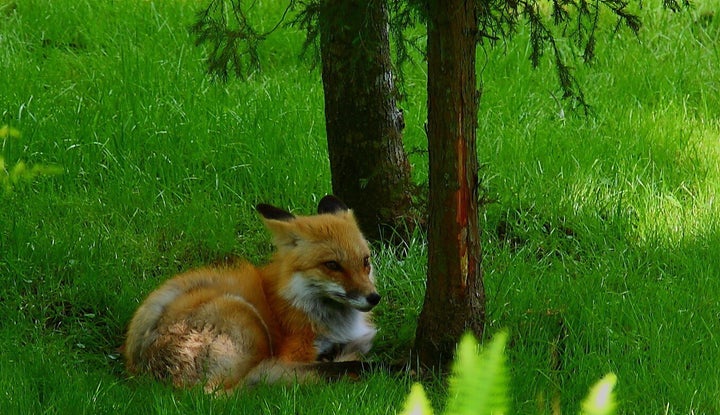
(233, 43)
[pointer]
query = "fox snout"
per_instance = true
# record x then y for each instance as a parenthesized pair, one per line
(373, 299)
(359, 300)
(364, 302)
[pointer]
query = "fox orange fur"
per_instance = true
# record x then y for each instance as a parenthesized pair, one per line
(231, 326)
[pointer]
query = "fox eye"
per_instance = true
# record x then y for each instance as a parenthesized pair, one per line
(366, 262)
(332, 266)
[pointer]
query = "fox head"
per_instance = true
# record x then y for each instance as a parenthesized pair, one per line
(326, 256)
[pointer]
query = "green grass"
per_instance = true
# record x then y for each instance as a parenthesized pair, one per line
(600, 248)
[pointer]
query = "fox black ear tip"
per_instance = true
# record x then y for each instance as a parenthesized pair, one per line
(261, 208)
(272, 212)
(331, 204)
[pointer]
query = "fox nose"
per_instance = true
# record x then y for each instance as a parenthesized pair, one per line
(373, 299)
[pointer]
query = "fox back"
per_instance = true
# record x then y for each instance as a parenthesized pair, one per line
(224, 327)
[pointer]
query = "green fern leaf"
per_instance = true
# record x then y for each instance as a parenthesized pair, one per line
(417, 403)
(480, 383)
(601, 399)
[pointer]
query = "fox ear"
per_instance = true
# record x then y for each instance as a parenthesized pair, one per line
(278, 221)
(275, 213)
(331, 204)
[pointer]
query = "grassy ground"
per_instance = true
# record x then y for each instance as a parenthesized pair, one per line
(601, 244)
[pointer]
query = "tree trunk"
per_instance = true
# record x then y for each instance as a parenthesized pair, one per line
(369, 167)
(455, 299)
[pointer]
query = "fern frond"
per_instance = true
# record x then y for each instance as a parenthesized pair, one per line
(601, 399)
(479, 383)
(417, 403)
(9, 132)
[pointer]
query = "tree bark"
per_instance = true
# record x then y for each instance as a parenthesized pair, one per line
(454, 300)
(369, 166)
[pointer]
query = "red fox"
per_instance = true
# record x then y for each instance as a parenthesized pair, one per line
(231, 326)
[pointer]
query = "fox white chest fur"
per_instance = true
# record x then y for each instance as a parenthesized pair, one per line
(343, 330)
